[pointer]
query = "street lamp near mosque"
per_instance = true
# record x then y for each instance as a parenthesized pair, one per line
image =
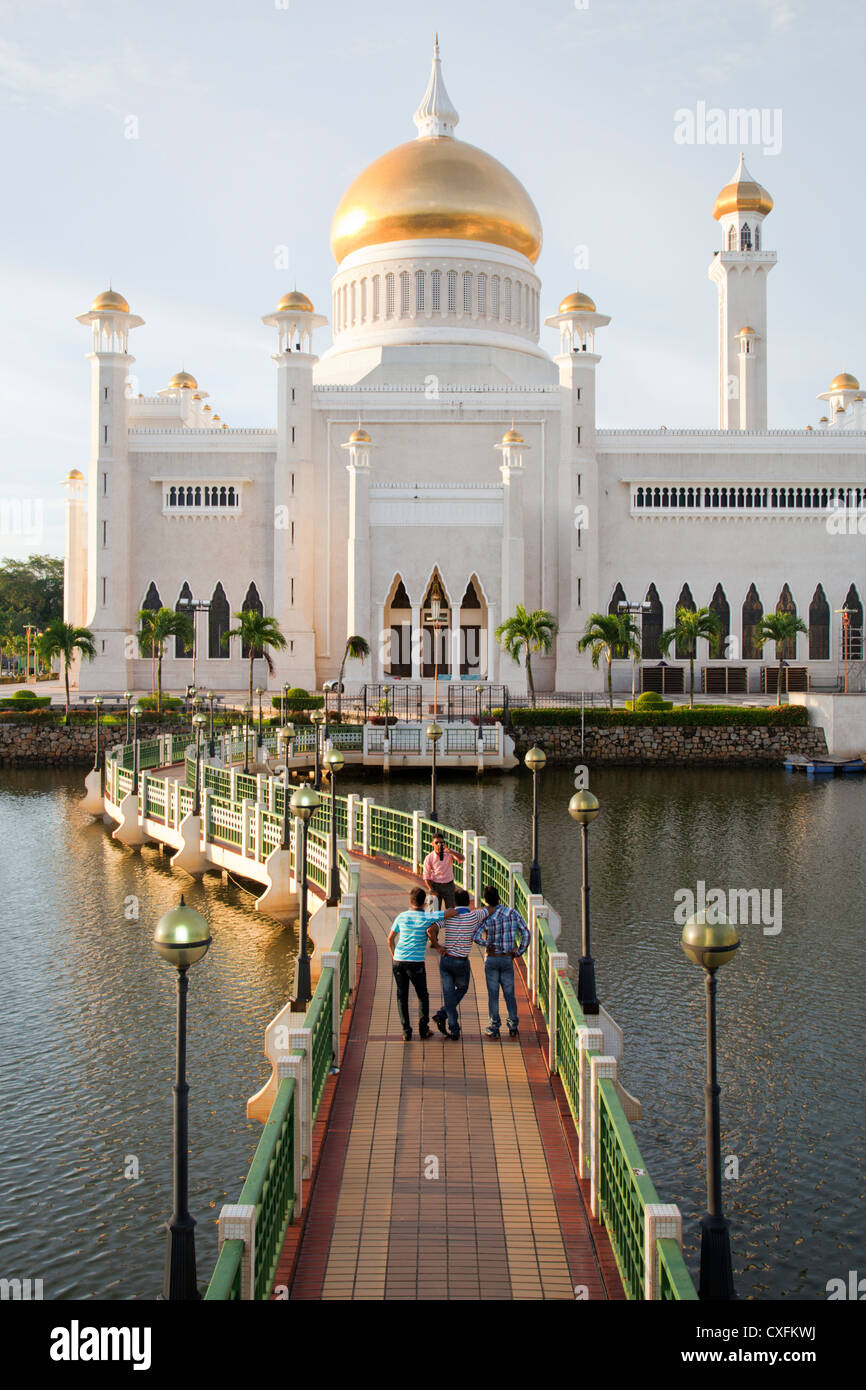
(211, 743)
(335, 762)
(317, 719)
(304, 804)
(287, 737)
(434, 733)
(535, 760)
(248, 709)
(136, 715)
(127, 695)
(583, 808)
(199, 720)
(97, 760)
(259, 738)
(712, 946)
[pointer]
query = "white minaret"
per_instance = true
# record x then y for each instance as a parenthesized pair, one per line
(111, 608)
(512, 447)
(359, 610)
(294, 491)
(740, 273)
(75, 557)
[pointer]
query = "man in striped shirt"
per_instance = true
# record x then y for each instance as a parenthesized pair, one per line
(459, 934)
(506, 936)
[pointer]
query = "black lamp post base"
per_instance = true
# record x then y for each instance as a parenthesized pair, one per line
(179, 1284)
(717, 1275)
(586, 995)
(303, 987)
(535, 878)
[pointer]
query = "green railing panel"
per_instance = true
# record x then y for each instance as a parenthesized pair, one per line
(341, 944)
(494, 869)
(569, 1017)
(521, 896)
(317, 859)
(225, 1285)
(391, 833)
(219, 780)
(318, 1020)
(544, 945)
(225, 821)
(247, 786)
(270, 1186)
(624, 1189)
(674, 1281)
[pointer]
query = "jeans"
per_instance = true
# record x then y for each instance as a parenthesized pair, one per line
(404, 971)
(500, 974)
(456, 974)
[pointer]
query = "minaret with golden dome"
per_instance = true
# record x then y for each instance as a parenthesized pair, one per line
(739, 271)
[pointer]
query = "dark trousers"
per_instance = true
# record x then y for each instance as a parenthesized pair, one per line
(414, 971)
(456, 973)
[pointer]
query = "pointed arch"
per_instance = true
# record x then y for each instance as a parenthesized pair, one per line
(819, 626)
(852, 636)
(685, 600)
(617, 598)
(732, 238)
(786, 651)
(722, 609)
(182, 652)
(398, 623)
(152, 600)
(473, 615)
(251, 604)
(651, 625)
(753, 612)
(436, 639)
(219, 622)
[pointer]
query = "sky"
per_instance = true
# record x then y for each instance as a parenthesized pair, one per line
(173, 149)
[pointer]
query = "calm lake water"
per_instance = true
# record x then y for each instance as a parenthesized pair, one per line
(86, 1061)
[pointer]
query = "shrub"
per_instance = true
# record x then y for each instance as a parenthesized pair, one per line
(25, 699)
(298, 701)
(720, 716)
(169, 702)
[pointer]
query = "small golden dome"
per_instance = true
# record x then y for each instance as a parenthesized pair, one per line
(301, 303)
(223, 426)
(512, 437)
(215, 419)
(742, 194)
(749, 330)
(74, 476)
(844, 382)
(207, 407)
(197, 396)
(183, 381)
(359, 436)
(808, 427)
(577, 303)
(109, 300)
(436, 187)
(823, 420)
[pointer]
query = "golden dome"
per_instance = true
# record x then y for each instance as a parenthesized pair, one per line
(206, 407)
(223, 426)
(183, 381)
(197, 396)
(742, 194)
(844, 382)
(74, 476)
(436, 187)
(512, 437)
(823, 420)
(111, 300)
(748, 329)
(577, 303)
(215, 418)
(359, 437)
(301, 303)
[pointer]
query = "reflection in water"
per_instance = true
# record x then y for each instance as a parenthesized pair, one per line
(87, 1019)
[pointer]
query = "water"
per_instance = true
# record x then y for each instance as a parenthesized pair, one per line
(87, 1014)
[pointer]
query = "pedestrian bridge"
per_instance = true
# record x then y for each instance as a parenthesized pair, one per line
(432, 1170)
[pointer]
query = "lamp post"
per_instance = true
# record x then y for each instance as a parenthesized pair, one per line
(434, 733)
(437, 625)
(259, 739)
(286, 689)
(845, 614)
(194, 606)
(97, 705)
(335, 762)
(136, 715)
(633, 608)
(247, 712)
(712, 946)
(287, 734)
(29, 627)
(211, 745)
(127, 695)
(535, 760)
(583, 807)
(182, 938)
(317, 719)
(304, 803)
(199, 721)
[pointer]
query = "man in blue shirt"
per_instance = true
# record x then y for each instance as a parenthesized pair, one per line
(407, 942)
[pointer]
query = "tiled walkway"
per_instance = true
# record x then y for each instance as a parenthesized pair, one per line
(443, 1169)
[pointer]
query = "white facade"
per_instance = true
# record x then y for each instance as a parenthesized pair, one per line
(436, 440)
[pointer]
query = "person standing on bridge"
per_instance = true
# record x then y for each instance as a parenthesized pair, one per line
(438, 870)
(460, 934)
(506, 936)
(407, 942)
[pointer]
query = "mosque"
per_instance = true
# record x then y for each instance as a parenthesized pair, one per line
(435, 451)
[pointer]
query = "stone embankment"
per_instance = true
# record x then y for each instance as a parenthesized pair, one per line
(52, 745)
(663, 743)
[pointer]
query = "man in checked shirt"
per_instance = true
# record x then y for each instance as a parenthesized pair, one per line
(506, 936)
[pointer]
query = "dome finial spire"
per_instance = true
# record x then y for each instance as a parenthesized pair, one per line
(436, 116)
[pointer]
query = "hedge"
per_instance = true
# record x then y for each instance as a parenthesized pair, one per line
(25, 701)
(298, 702)
(715, 717)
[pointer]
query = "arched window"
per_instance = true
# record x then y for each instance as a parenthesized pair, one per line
(231, 497)
(757, 236)
(364, 300)
(377, 282)
(786, 651)
(198, 497)
(732, 238)
(189, 496)
(685, 600)
(419, 290)
(352, 298)
(436, 289)
(473, 622)
(172, 497)
(852, 631)
(617, 598)
(507, 301)
(152, 600)
(390, 293)
(494, 296)
(452, 291)
(398, 619)
(745, 237)
(223, 496)
(467, 292)
(181, 651)
(251, 604)
(404, 292)
(218, 623)
(651, 626)
(753, 612)
(722, 609)
(482, 295)
(819, 626)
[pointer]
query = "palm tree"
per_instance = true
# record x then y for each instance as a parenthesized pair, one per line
(779, 628)
(358, 648)
(64, 640)
(610, 635)
(157, 625)
(529, 632)
(258, 632)
(691, 624)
